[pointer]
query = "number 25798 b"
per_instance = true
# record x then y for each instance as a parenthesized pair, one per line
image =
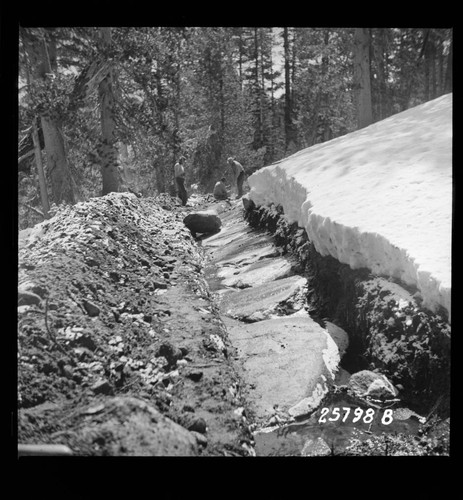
(354, 414)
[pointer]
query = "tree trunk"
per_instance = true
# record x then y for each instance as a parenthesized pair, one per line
(263, 117)
(260, 127)
(57, 165)
(289, 129)
(272, 111)
(108, 152)
(240, 58)
(40, 171)
(362, 84)
(325, 97)
(58, 169)
(380, 54)
(449, 74)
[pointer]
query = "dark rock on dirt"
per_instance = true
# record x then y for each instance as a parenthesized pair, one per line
(170, 352)
(91, 308)
(195, 375)
(195, 424)
(203, 222)
(102, 387)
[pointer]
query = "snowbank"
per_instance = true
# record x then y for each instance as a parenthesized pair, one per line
(380, 197)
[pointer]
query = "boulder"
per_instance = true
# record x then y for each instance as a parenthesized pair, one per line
(206, 221)
(261, 301)
(375, 385)
(315, 447)
(288, 362)
(128, 426)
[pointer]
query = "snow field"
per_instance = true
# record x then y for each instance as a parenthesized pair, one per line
(379, 198)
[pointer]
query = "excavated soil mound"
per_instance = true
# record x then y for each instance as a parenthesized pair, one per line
(120, 348)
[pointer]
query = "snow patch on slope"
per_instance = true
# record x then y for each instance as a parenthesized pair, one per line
(379, 198)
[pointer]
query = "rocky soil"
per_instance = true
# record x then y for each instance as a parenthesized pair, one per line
(121, 351)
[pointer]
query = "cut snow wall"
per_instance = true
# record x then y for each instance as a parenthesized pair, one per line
(379, 198)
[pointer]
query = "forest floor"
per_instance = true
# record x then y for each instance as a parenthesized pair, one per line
(121, 350)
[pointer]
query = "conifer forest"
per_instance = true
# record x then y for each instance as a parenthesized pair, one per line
(106, 109)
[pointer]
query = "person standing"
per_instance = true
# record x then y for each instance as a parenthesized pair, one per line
(238, 175)
(179, 173)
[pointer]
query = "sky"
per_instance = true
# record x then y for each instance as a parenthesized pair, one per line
(379, 197)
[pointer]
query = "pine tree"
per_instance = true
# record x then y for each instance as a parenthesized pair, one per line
(362, 85)
(108, 152)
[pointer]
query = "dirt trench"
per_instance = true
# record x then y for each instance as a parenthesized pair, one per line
(122, 350)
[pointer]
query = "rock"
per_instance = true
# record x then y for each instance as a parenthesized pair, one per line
(375, 385)
(196, 424)
(380, 389)
(83, 340)
(195, 375)
(30, 294)
(67, 371)
(339, 335)
(257, 273)
(49, 367)
(102, 387)
(170, 352)
(33, 288)
(260, 301)
(315, 448)
(342, 377)
(159, 284)
(288, 361)
(184, 350)
(28, 298)
(206, 221)
(406, 413)
(91, 308)
(201, 439)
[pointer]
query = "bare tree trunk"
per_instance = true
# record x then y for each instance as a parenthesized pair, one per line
(289, 129)
(260, 128)
(58, 168)
(41, 174)
(325, 97)
(240, 60)
(108, 153)
(449, 74)
(362, 84)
